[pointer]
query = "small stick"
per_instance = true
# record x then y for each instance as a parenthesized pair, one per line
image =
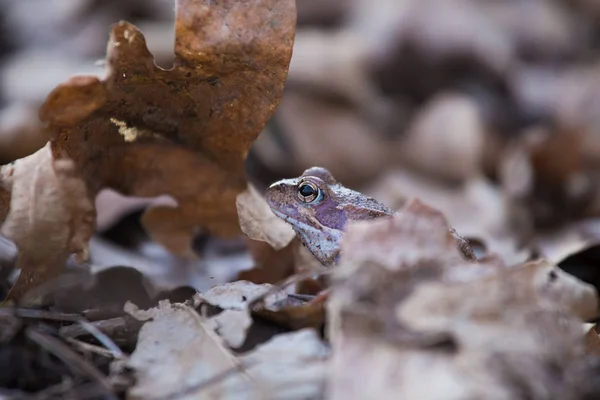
(70, 358)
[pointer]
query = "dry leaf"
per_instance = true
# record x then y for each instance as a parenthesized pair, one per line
(258, 221)
(185, 132)
(237, 295)
(476, 208)
(271, 266)
(406, 307)
(291, 365)
(50, 217)
(177, 351)
(592, 339)
(231, 326)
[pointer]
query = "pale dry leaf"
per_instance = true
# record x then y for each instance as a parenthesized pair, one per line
(425, 235)
(476, 208)
(291, 365)
(418, 322)
(237, 295)
(231, 325)
(175, 351)
(51, 216)
(258, 221)
(539, 283)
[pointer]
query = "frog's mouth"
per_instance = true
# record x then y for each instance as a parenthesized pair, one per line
(279, 214)
(286, 217)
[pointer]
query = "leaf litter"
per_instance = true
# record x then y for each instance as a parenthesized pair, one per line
(181, 283)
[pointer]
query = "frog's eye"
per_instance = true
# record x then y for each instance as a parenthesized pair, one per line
(308, 192)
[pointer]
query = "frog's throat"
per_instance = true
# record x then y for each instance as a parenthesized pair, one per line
(323, 242)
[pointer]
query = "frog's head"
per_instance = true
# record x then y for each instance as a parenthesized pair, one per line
(318, 208)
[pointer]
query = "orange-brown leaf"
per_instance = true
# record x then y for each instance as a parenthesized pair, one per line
(184, 131)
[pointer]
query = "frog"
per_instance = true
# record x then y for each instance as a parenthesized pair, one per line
(318, 208)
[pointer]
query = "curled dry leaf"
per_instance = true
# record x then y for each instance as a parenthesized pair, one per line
(438, 326)
(258, 221)
(184, 132)
(50, 216)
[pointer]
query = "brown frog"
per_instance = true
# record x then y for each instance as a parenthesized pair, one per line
(318, 208)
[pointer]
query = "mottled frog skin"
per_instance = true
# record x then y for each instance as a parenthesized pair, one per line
(318, 209)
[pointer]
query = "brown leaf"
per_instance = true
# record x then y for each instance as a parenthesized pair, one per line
(295, 316)
(51, 216)
(271, 266)
(546, 193)
(185, 132)
(593, 340)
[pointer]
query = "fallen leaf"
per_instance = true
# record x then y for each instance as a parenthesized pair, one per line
(184, 132)
(236, 295)
(258, 221)
(294, 315)
(50, 217)
(302, 355)
(406, 306)
(178, 353)
(271, 266)
(476, 208)
(231, 326)
(592, 339)
(176, 350)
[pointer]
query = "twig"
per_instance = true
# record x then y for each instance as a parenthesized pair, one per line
(39, 314)
(285, 283)
(70, 358)
(102, 338)
(92, 348)
(107, 326)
